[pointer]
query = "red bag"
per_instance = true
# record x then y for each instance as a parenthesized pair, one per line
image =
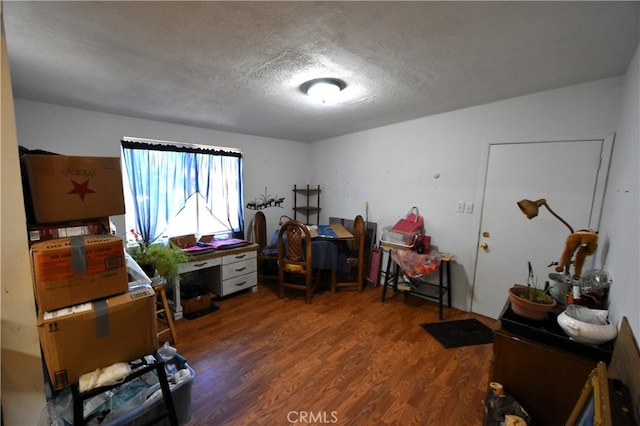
(412, 224)
(374, 266)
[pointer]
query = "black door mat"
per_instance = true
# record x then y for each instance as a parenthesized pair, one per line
(198, 314)
(454, 334)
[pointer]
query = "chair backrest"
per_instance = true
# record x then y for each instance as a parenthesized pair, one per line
(294, 245)
(358, 235)
(260, 230)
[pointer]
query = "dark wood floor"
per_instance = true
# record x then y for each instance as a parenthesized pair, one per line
(345, 359)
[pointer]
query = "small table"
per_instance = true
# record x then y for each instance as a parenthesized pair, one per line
(334, 231)
(544, 371)
(328, 246)
(423, 289)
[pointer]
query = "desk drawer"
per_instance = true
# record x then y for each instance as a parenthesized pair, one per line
(232, 258)
(238, 283)
(195, 265)
(235, 269)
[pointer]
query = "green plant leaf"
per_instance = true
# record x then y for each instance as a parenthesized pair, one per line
(166, 258)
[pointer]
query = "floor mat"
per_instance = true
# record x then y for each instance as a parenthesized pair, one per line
(198, 314)
(454, 334)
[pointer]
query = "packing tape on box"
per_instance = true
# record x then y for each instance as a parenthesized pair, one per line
(78, 255)
(101, 309)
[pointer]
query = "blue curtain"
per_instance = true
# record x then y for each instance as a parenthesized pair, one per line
(163, 177)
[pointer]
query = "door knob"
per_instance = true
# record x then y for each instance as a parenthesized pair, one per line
(484, 246)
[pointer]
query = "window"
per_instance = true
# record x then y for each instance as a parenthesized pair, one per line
(175, 189)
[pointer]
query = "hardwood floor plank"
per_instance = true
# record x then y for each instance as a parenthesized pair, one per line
(346, 359)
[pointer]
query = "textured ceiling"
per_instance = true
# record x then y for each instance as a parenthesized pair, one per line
(238, 66)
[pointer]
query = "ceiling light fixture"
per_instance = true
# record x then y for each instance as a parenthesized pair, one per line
(323, 89)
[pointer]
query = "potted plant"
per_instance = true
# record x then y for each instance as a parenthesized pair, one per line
(530, 301)
(158, 257)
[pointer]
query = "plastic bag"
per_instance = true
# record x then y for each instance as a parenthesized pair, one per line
(414, 264)
(135, 271)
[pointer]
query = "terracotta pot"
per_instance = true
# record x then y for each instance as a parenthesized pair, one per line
(524, 307)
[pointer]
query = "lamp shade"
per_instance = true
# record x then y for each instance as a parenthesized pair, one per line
(530, 208)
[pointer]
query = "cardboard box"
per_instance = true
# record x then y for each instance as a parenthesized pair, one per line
(80, 339)
(65, 188)
(73, 270)
(196, 304)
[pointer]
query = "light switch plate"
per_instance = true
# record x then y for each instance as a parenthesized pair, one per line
(468, 208)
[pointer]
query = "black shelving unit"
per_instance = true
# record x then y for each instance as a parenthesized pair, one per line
(308, 209)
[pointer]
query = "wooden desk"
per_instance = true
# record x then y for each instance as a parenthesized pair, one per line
(423, 289)
(224, 271)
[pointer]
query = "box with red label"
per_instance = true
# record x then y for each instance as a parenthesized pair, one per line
(65, 188)
(73, 270)
(39, 233)
(82, 338)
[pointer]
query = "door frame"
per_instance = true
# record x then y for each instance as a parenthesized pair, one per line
(599, 191)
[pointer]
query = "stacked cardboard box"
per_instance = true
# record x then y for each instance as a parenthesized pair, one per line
(68, 271)
(81, 338)
(66, 188)
(88, 317)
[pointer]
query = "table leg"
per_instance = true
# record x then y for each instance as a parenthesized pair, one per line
(386, 275)
(440, 289)
(448, 283)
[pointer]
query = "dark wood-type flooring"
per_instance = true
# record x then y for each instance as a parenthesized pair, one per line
(345, 359)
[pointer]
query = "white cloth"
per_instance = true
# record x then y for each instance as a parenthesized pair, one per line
(111, 375)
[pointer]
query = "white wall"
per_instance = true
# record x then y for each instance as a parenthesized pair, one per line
(22, 380)
(273, 163)
(394, 167)
(620, 230)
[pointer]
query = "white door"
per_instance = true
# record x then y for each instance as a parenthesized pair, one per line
(570, 175)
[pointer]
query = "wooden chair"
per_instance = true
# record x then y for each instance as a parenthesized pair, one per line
(164, 318)
(294, 259)
(264, 258)
(354, 259)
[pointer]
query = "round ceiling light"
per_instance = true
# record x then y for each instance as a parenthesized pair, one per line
(323, 89)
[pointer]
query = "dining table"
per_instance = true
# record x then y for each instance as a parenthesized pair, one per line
(331, 232)
(328, 247)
